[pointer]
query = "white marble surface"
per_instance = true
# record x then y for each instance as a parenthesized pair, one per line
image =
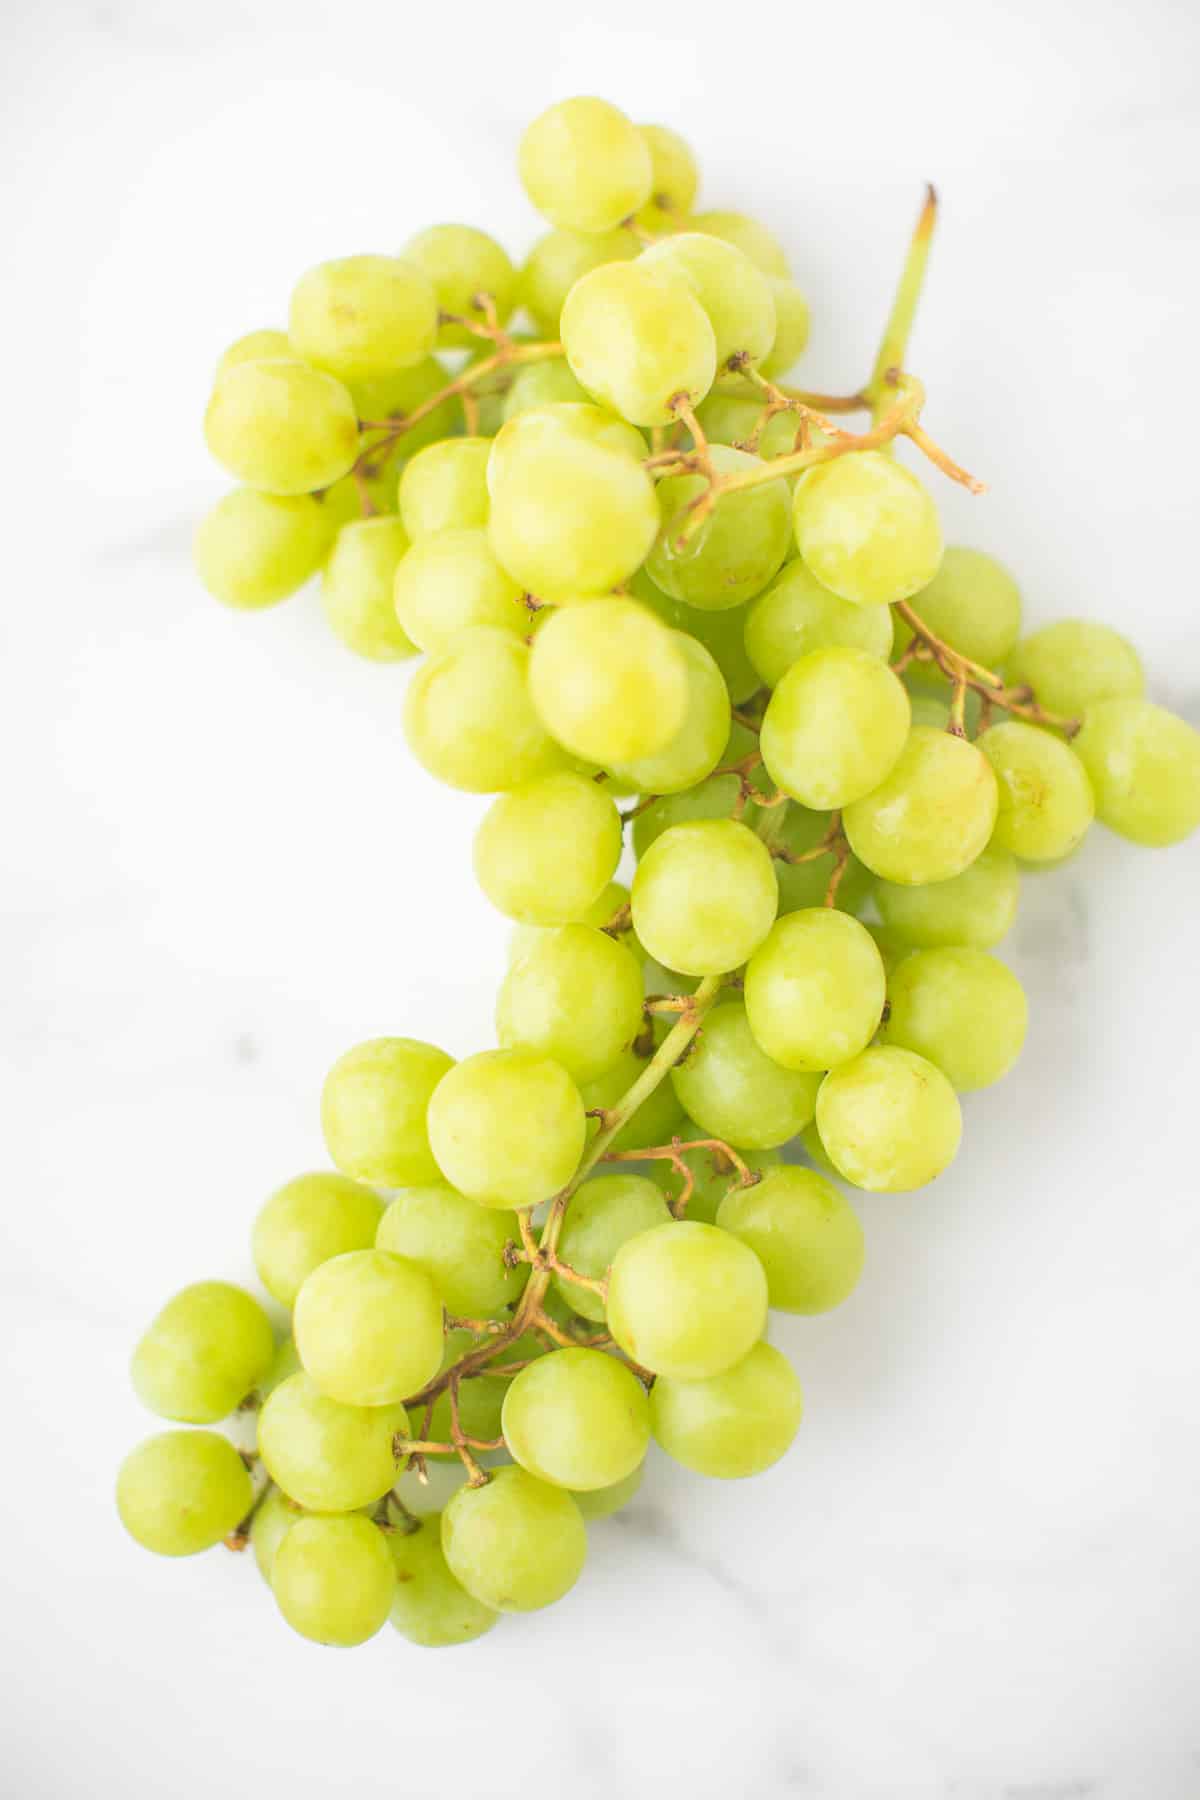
(977, 1575)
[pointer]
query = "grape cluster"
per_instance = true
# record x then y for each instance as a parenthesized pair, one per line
(639, 569)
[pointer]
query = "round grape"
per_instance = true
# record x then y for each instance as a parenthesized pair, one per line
(307, 1221)
(463, 265)
(602, 1503)
(1073, 664)
(253, 550)
(686, 1300)
(469, 718)
(889, 1120)
(373, 1110)
(815, 990)
(696, 748)
(507, 1127)
(358, 585)
(334, 1579)
(733, 1424)
(575, 995)
(737, 549)
(206, 1350)
(609, 681)
(973, 603)
(546, 850)
(605, 1213)
(796, 615)
(444, 487)
(328, 1457)
(962, 1010)
(368, 1327)
(182, 1492)
(584, 165)
(362, 316)
(704, 896)
(1144, 766)
(735, 1091)
(674, 179)
(834, 727)
(431, 1607)
(976, 908)
(256, 346)
(273, 1518)
(556, 263)
(808, 1240)
(1046, 802)
(753, 239)
(515, 1544)
(733, 291)
(459, 1244)
(450, 581)
(637, 343)
(577, 1419)
(281, 426)
(867, 529)
(931, 817)
(792, 326)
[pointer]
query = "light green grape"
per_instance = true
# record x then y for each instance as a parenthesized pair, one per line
(516, 1544)
(792, 326)
(973, 603)
(889, 1120)
(686, 1300)
(931, 817)
(267, 345)
(556, 430)
(816, 1152)
(753, 239)
(373, 1110)
(1046, 802)
(444, 487)
(655, 1119)
(358, 585)
(733, 1089)
(281, 426)
(815, 990)
(507, 1127)
(723, 636)
(577, 1419)
(273, 1518)
(449, 582)
(284, 1363)
(804, 884)
(546, 850)
(713, 1175)
(368, 1327)
(307, 1221)
(613, 896)
(547, 383)
(834, 727)
(711, 799)
(360, 317)
(584, 165)
(609, 681)
(796, 615)
(976, 908)
(637, 343)
(460, 1246)
(469, 718)
(605, 1213)
(891, 948)
(431, 1607)
(737, 549)
(674, 179)
(732, 289)
(200, 1356)
(704, 896)
(1074, 663)
(463, 264)
(328, 1457)
(808, 1240)
(182, 1492)
(397, 395)
(602, 1503)
(1144, 766)
(962, 1010)
(575, 995)
(696, 748)
(733, 1424)
(556, 263)
(253, 550)
(867, 529)
(334, 1579)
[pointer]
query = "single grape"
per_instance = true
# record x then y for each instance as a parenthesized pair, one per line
(686, 1299)
(931, 817)
(606, 1212)
(804, 884)
(973, 603)
(962, 1010)
(637, 343)
(584, 165)
(431, 1607)
(655, 1119)
(507, 1127)
(705, 896)
(753, 239)
(1046, 802)
(516, 1543)
(602, 1503)
(253, 550)
(737, 549)
(362, 316)
(444, 487)
(557, 430)
(809, 1242)
(674, 179)
(328, 1457)
(609, 682)
(545, 851)
(368, 1327)
(696, 748)
(373, 1110)
(834, 727)
(358, 585)
(463, 265)
(815, 989)
(1144, 766)
(448, 582)
(867, 529)
(182, 1492)
(460, 1246)
(817, 1154)
(733, 1424)
(713, 1175)
(796, 615)
(1074, 663)
(469, 718)
(307, 1221)
(735, 1091)
(281, 426)
(556, 263)
(256, 346)
(548, 383)
(976, 908)
(577, 1419)
(334, 1579)
(575, 995)
(200, 1356)
(732, 289)
(889, 1120)
(792, 326)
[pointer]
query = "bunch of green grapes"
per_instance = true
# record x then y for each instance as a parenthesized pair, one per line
(670, 608)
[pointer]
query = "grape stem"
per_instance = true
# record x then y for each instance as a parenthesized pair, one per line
(675, 1153)
(507, 354)
(893, 346)
(964, 673)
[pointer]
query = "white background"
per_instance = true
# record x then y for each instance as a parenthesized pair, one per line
(977, 1574)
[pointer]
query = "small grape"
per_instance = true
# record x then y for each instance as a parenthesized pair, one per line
(469, 718)
(548, 383)
(373, 1110)
(431, 1607)
(182, 1492)
(507, 1127)
(253, 550)
(1046, 802)
(334, 1579)
(1073, 664)
(792, 326)
(609, 681)
(735, 1091)
(462, 264)
(962, 1010)
(556, 263)
(739, 547)
(1144, 765)
(328, 1457)
(973, 603)
(976, 908)
(796, 615)
(834, 727)
(696, 748)
(363, 316)
(575, 995)
(734, 292)
(867, 529)
(585, 166)
(256, 346)
(655, 1119)
(815, 990)
(307, 1221)
(931, 817)
(281, 426)
(602, 1503)
(753, 239)
(448, 582)
(733, 1424)
(638, 343)
(358, 585)
(546, 850)
(674, 178)
(460, 1246)
(605, 1213)
(515, 1544)
(200, 1356)
(704, 896)
(889, 1120)
(686, 1300)
(368, 1327)
(444, 487)
(808, 1240)
(577, 1419)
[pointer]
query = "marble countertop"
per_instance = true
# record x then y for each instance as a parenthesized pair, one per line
(976, 1577)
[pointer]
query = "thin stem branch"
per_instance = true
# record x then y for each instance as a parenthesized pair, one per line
(893, 346)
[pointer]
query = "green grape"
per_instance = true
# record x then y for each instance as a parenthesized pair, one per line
(804, 884)
(516, 1544)
(334, 1579)
(733, 1089)
(711, 799)
(557, 430)
(507, 1127)
(431, 1607)
(891, 948)
(674, 179)
(834, 727)
(444, 487)
(796, 615)
(931, 817)
(809, 1242)
(638, 343)
(368, 1326)
(307, 1221)
(450, 581)
(328, 1457)
(815, 989)
(284, 1363)
(256, 346)
(548, 383)
(962, 1010)
(203, 1353)
(686, 1300)
(273, 1518)
(584, 165)
(605, 1213)
(469, 718)
(613, 897)
(889, 1120)
(577, 1419)
(398, 394)
(867, 529)
(373, 1110)
(556, 263)
(792, 325)
(705, 896)
(816, 1152)
(545, 851)
(363, 316)
(609, 681)
(602, 1503)
(713, 1175)
(253, 550)
(976, 908)
(731, 288)
(576, 995)
(695, 750)
(753, 239)
(183, 1491)
(281, 426)
(357, 588)
(723, 636)
(655, 1119)
(1046, 802)
(460, 1246)
(1144, 766)
(463, 264)
(734, 1424)
(973, 603)
(1073, 664)
(738, 548)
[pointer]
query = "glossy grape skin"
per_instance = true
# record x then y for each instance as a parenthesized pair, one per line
(711, 799)
(203, 1353)
(459, 1244)
(267, 345)
(737, 550)
(575, 995)
(546, 850)
(674, 178)
(733, 1089)
(734, 292)
(751, 238)
(636, 343)
(430, 1606)
(814, 992)
(449, 582)
(1046, 802)
(253, 550)
(507, 1127)
(931, 817)
(462, 263)
(469, 718)
(736, 1423)
(558, 429)
(613, 896)
(444, 487)
(307, 1221)
(655, 1119)
(328, 1457)
(577, 1419)
(695, 750)
(713, 1175)
(334, 1579)
(686, 1300)
(867, 529)
(889, 1120)
(1144, 766)
(792, 326)
(556, 263)
(1074, 663)
(834, 727)
(360, 317)
(976, 908)
(183, 1491)
(357, 589)
(273, 1518)
(722, 635)
(516, 1544)
(368, 1327)
(796, 615)
(808, 1240)
(584, 165)
(973, 603)
(281, 427)
(539, 384)
(804, 884)
(962, 1010)
(373, 1110)
(609, 681)
(606, 1212)
(602, 1503)
(704, 896)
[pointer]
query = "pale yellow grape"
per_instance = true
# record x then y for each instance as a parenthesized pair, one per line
(1046, 802)
(575, 995)
(737, 549)
(516, 1544)
(368, 1327)
(804, 884)
(334, 1579)
(1073, 664)
(360, 317)
(609, 681)
(674, 179)
(815, 989)
(960, 1008)
(792, 325)
(463, 264)
(445, 486)
(704, 896)
(281, 426)
(834, 726)
(307, 1221)
(889, 1120)
(469, 716)
(546, 850)
(373, 1110)
(867, 529)
(252, 550)
(328, 1457)
(713, 1175)
(734, 1090)
(199, 1357)
(976, 908)
(448, 582)
(430, 1607)
(686, 1300)
(1144, 766)
(357, 589)
(182, 1492)
(577, 1419)
(655, 1119)
(808, 1240)
(268, 345)
(273, 1519)
(603, 1215)
(931, 817)
(695, 750)
(602, 1503)
(733, 1424)
(546, 383)
(796, 615)
(753, 239)
(556, 430)
(584, 165)
(639, 344)
(459, 1245)
(507, 1127)
(733, 290)
(556, 263)
(973, 603)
